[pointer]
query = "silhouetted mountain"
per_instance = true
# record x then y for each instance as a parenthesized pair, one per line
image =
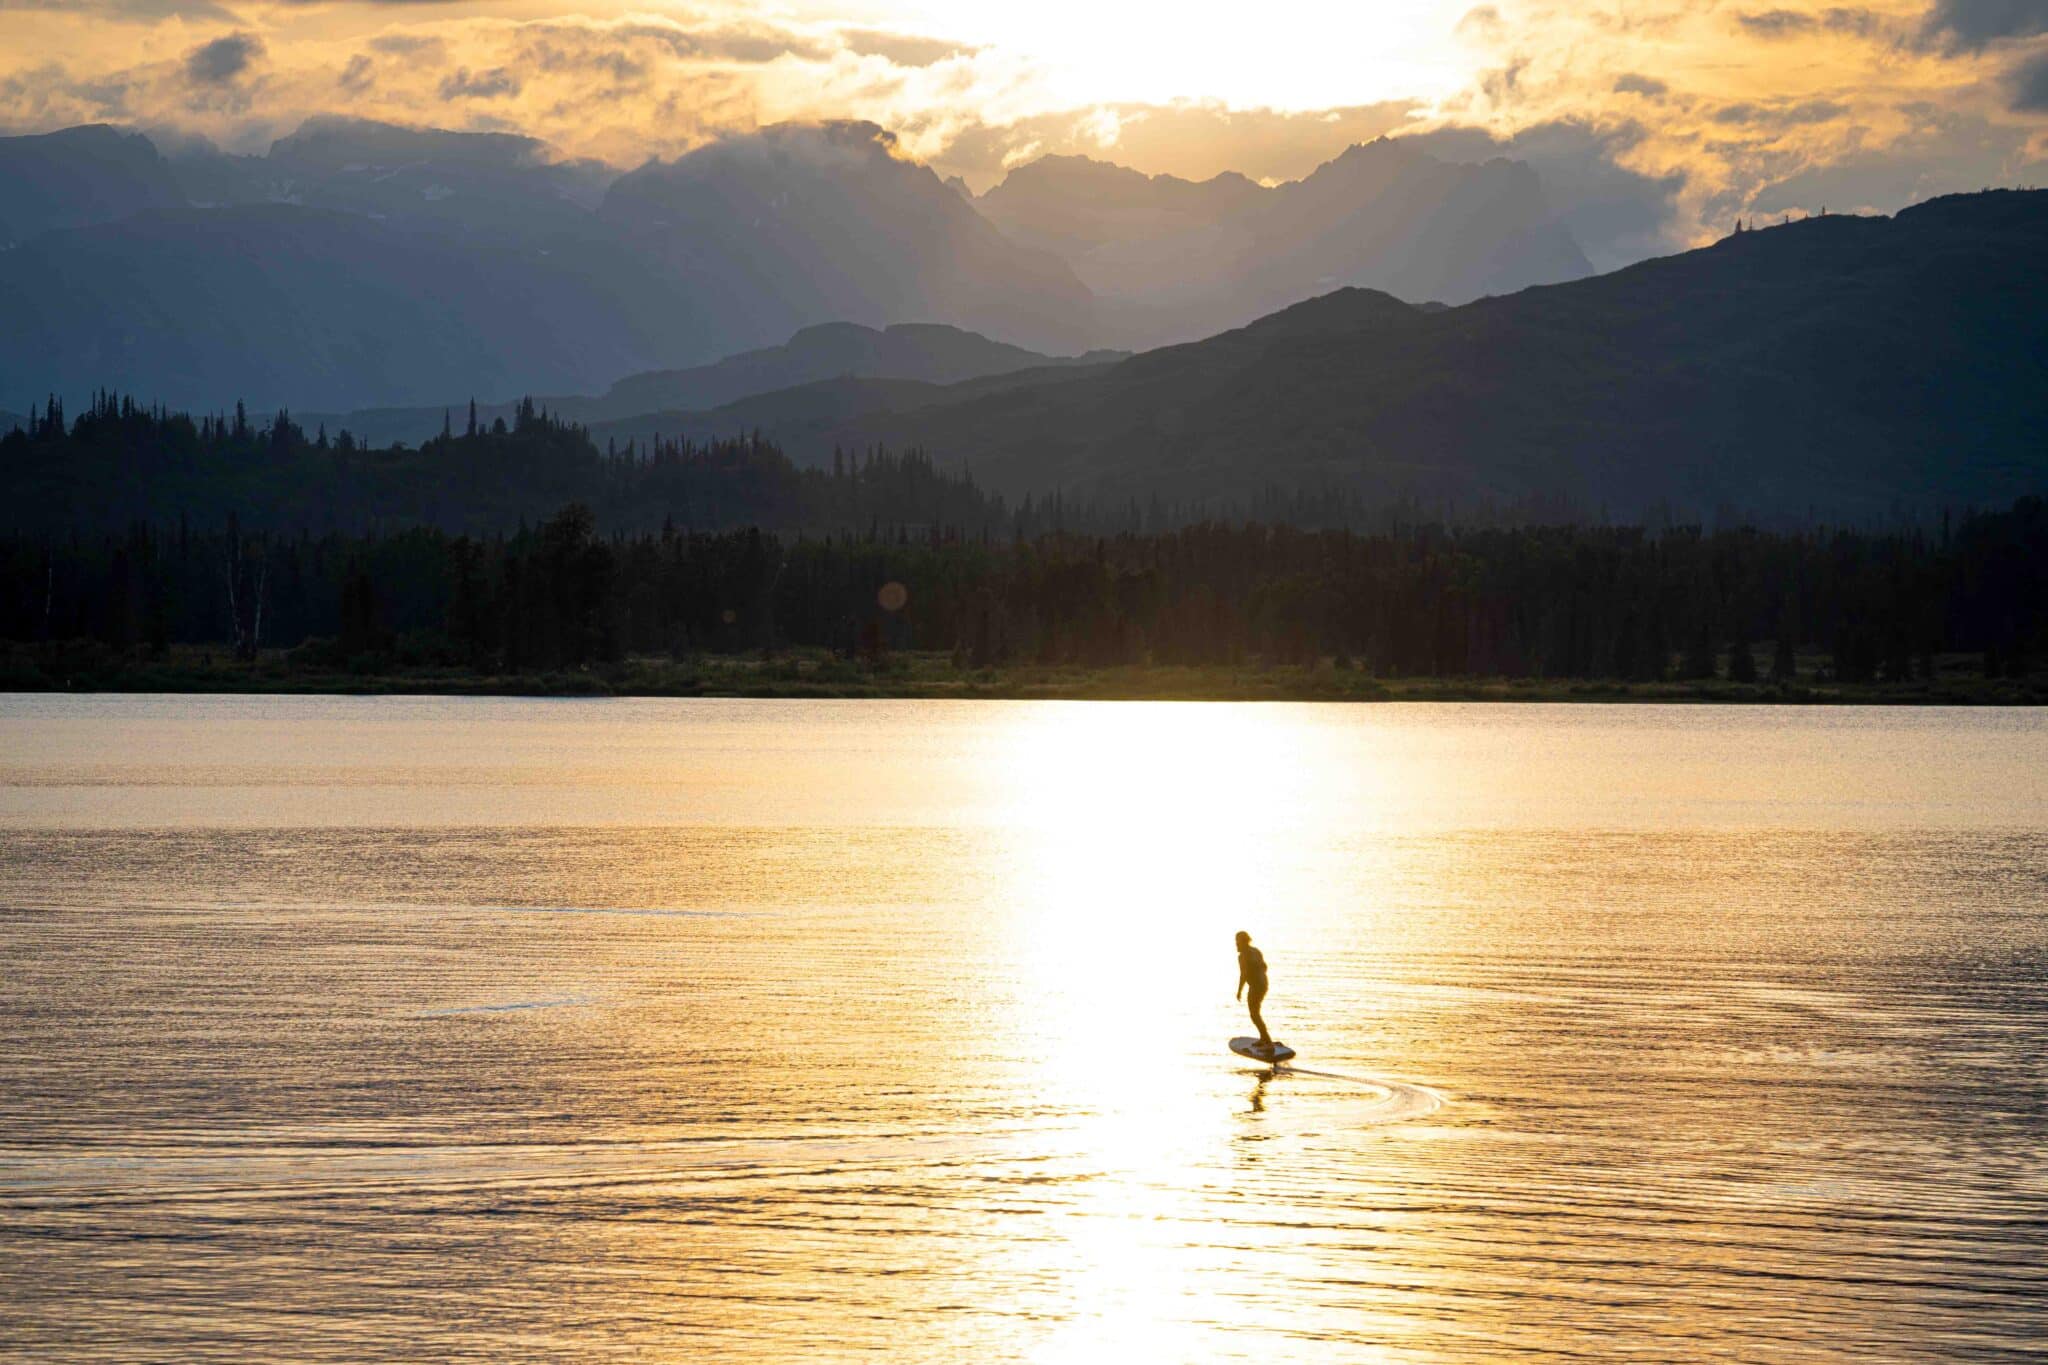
(360, 264)
(1172, 258)
(92, 174)
(1845, 364)
(490, 187)
(813, 412)
(284, 305)
(931, 353)
(798, 223)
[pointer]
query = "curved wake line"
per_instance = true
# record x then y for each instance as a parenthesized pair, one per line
(554, 1003)
(1399, 1101)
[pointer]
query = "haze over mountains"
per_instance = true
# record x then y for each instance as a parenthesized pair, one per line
(1174, 260)
(1843, 366)
(358, 264)
(925, 354)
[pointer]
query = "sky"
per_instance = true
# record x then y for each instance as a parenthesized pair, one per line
(1653, 123)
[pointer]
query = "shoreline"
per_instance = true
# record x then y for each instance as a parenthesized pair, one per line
(818, 675)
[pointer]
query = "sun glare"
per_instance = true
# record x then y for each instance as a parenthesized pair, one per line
(1155, 52)
(1145, 842)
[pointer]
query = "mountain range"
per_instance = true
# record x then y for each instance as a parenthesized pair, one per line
(927, 355)
(1841, 366)
(358, 264)
(1173, 259)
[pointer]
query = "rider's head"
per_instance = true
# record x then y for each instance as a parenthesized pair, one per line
(1244, 940)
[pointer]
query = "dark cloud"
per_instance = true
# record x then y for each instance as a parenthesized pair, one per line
(1617, 215)
(1502, 83)
(574, 49)
(1629, 83)
(138, 11)
(425, 49)
(1780, 115)
(1778, 23)
(1859, 22)
(496, 83)
(1788, 23)
(2029, 84)
(223, 59)
(1967, 25)
(903, 49)
(359, 75)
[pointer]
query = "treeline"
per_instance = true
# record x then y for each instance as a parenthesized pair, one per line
(1556, 602)
(120, 463)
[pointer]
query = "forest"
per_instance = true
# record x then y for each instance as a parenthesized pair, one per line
(520, 547)
(1422, 601)
(119, 463)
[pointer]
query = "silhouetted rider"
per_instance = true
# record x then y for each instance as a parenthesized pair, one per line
(1251, 971)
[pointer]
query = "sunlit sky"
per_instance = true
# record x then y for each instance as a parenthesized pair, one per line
(1652, 122)
(1290, 56)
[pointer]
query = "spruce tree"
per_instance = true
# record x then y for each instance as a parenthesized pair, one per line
(1741, 663)
(1699, 660)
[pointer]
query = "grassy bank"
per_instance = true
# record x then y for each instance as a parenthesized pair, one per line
(810, 673)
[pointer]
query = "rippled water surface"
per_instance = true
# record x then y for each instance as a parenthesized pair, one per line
(477, 1029)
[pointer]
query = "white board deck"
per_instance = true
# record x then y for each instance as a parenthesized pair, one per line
(1256, 1050)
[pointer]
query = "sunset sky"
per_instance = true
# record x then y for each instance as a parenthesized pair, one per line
(1653, 122)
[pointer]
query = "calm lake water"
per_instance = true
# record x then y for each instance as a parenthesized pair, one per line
(471, 1029)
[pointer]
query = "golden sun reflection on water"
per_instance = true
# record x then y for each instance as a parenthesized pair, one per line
(1146, 835)
(769, 1031)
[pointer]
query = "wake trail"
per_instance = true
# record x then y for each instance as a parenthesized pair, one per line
(1399, 1101)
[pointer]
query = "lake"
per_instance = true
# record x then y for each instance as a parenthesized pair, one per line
(432, 1028)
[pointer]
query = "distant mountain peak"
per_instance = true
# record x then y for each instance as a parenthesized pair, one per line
(1176, 259)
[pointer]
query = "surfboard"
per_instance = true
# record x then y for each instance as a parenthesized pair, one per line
(1256, 1050)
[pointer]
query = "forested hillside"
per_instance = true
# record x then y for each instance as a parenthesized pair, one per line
(118, 463)
(1840, 367)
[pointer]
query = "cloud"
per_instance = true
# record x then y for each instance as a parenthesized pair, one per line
(902, 49)
(1941, 152)
(223, 59)
(1968, 25)
(1193, 140)
(1652, 122)
(359, 75)
(1788, 23)
(1778, 23)
(1780, 115)
(496, 83)
(1481, 24)
(2028, 83)
(1616, 212)
(133, 11)
(427, 48)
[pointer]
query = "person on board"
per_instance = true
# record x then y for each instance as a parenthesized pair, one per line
(1251, 971)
